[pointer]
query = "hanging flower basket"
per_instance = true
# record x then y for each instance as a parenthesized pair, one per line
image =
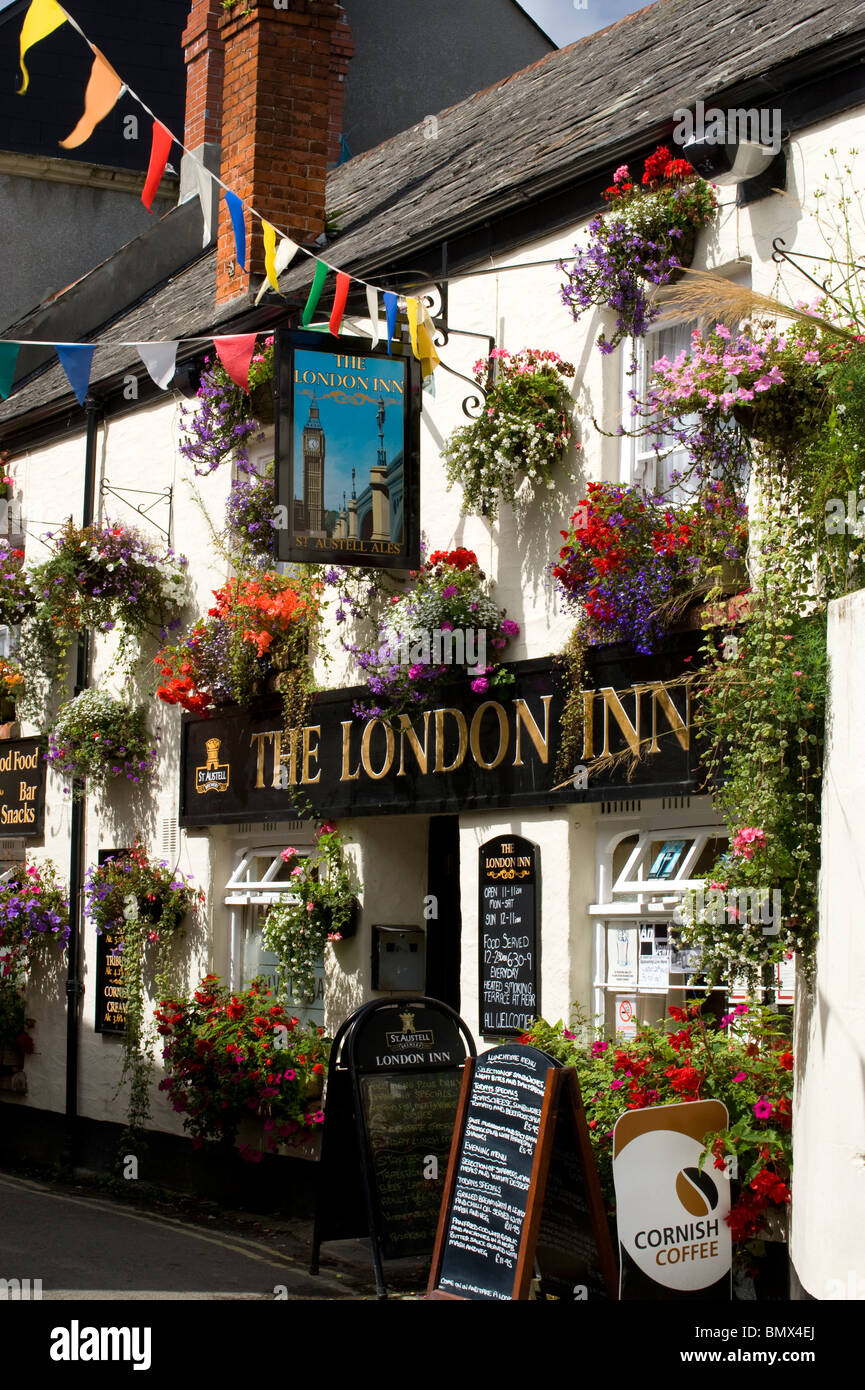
(786, 415)
(262, 404)
(647, 235)
(102, 739)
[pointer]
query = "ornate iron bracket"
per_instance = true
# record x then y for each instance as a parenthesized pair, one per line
(144, 509)
(780, 253)
(435, 297)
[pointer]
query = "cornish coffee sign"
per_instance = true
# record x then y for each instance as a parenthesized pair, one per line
(468, 752)
(22, 788)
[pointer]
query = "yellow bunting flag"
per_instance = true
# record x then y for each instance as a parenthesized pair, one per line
(103, 89)
(270, 253)
(421, 338)
(43, 17)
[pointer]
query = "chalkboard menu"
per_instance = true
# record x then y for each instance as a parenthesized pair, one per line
(392, 1095)
(522, 1190)
(507, 935)
(110, 989)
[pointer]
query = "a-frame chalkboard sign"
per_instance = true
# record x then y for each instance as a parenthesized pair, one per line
(393, 1088)
(522, 1198)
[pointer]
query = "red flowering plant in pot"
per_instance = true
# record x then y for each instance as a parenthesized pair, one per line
(646, 235)
(444, 627)
(742, 1059)
(232, 1054)
(630, 562)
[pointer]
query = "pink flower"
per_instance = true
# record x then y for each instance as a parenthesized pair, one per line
(510, 628)
(286, 854)
(763, 1109)
(480, 685)
(598, 1048)
(310, 907)
(616, 1085)
(740, 1009)
(621, 175)
(740, 1076)
(327, 827)
(747, 840)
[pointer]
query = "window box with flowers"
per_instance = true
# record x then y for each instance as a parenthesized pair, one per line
(521, 433)
(644, 238)
(231, 1056)
(445, 627)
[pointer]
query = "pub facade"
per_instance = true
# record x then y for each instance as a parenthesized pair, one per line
(490, 876)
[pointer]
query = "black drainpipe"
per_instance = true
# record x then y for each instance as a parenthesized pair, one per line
(74, 987)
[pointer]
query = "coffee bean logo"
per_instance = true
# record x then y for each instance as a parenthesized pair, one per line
(696, 1191)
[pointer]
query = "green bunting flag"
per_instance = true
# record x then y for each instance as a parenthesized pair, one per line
(315, 293)
(8, 359)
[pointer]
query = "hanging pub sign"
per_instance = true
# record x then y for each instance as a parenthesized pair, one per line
(468, 752)
(347, 452)
(522, 1196)
(674, 1239)
(393, 1086)
(22, 788)
(507, 935)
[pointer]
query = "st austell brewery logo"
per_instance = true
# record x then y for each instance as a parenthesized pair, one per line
(670, 1209)
(213, 777)
(410, 1036)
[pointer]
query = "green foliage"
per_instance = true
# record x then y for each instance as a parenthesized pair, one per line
(320, 909)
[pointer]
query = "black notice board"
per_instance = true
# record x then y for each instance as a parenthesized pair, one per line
(391, 1103)
(522, 1190)
(110, 990)
(507, 935)
(22, 788)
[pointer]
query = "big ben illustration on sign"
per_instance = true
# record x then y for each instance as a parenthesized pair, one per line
(313, 474)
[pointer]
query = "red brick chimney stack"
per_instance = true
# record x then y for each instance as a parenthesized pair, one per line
(276, 113)
(205, 64)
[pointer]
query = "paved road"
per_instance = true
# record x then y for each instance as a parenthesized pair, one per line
(84, 1247)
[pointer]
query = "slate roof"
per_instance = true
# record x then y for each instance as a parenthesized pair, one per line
(567, 114)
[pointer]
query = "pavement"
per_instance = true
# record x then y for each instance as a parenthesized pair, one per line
(84, 1245)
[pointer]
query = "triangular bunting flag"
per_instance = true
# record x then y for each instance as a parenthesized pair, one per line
(390, 304)
(160, 359)
(103, 89)
(340, 296)
(285, 254)
(235, 354)
(8, 360)
(76, 359)
(160, 148)
(238, 223)
(429, 358)
(269, 233)
(315, 293)
(43, 17)
(204, 179)
(372, 304)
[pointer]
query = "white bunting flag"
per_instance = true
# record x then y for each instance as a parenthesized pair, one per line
(204, 179)
(160, 359)
(285, 254)
(372, 301)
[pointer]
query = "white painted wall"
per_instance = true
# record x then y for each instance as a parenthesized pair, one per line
(828, 1217)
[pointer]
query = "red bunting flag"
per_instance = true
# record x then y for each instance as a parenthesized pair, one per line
(235, 354)
(340, 296)
(160, 149)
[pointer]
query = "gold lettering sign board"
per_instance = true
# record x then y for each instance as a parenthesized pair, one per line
(472, 752)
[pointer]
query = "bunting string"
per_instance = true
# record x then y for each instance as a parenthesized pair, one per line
(104, 90)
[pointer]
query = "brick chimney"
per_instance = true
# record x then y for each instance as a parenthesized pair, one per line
(276, 123)
(204, 54)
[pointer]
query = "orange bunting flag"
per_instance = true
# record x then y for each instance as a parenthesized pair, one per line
(160, 149)
(103, 89)
(235, 354)
(339, 297)
(43, 17)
